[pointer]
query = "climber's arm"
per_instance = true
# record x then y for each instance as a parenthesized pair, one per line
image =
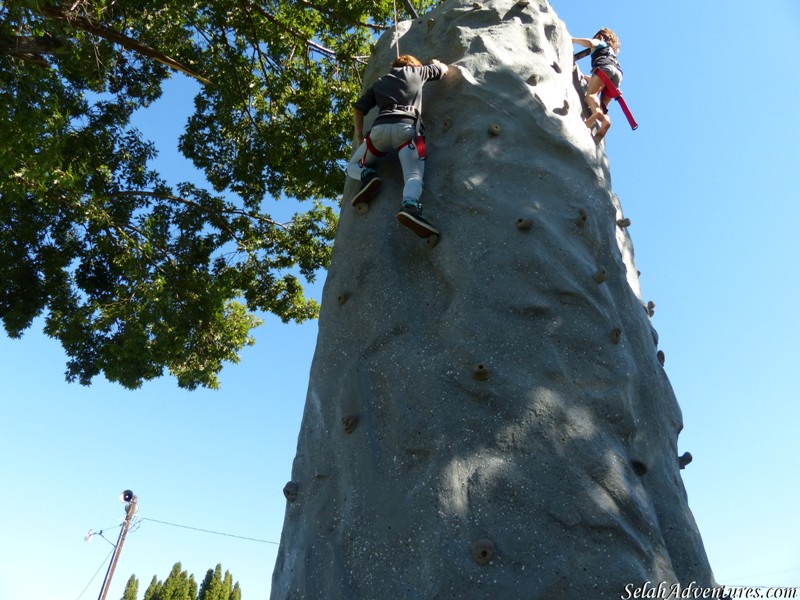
(358, 120)
(586, 42)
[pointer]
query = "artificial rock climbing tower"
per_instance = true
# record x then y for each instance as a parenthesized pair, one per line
(488, 417)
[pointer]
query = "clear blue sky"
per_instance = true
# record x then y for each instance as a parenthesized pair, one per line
(710, 183)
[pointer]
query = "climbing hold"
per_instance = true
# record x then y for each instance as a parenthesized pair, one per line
(494, 129)
(615, 336)
(638, 467)
(556, 68)
(600, 275)
(523, 223)
(432, 240)
(290, 491)
(523, 3)
(684, 459)
(623, 223)
(533, 80)
(341, 298)
(661, 357)
(431, 22)
(582, 217)
(651, 308)
(482, 551)
(447, 124)
(350, 422)
(362, 208)
(655, 336)
(562, 111)
(481, 372)
(477, 5)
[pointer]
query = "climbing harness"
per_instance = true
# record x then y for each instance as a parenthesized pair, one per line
(371, 148)
(418, 141)
(419, 135)
(609, 89)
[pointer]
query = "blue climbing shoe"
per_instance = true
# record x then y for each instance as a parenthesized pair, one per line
(411, 217)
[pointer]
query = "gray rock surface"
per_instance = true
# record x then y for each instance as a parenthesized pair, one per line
(489, 417)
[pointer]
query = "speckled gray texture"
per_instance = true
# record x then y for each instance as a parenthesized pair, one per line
(516, 434)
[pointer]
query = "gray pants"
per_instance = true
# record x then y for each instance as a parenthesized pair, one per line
(386, 138)
(614, 74)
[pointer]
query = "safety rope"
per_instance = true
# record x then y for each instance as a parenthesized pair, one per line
(396, 33)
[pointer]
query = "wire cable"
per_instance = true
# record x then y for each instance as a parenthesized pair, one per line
(95, 573)
(241, 537)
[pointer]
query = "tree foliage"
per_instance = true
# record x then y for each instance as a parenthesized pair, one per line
(135, 274)
(217, 586)
(131, 588)
(180, 585)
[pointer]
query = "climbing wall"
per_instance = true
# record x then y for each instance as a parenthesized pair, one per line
(489, 416)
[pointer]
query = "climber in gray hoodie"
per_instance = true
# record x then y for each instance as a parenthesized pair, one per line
(398, 126)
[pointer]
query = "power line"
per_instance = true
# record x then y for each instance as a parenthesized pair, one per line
(95, 573)
(241, 537)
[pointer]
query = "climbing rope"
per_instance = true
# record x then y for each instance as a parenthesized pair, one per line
(396, 33)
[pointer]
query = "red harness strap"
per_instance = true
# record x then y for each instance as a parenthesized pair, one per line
(370, 148)
(611, 91)
(422, 151)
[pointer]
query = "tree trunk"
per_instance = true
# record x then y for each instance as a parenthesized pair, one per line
(488, 417)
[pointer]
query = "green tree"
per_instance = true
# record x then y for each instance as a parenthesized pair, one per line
(135, 275)
(217, 586)
(131, 589)
(152, 591)
(178, 585)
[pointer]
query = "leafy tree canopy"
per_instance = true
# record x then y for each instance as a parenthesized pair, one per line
(131, 588)
(180, 585)
(134, 274)
(217, 586)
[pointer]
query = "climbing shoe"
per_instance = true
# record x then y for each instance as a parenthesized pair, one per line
(370, 186)
(411, 217)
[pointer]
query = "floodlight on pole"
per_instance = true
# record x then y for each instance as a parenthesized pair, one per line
(131, 506)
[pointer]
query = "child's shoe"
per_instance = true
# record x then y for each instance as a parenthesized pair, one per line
(370, 186)
(411, 217)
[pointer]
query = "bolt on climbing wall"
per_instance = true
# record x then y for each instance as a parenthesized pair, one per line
(489, 414)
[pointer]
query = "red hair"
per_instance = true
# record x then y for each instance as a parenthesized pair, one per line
(406, 60)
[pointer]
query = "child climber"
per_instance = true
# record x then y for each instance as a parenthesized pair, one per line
(398, 96)
(605, 46)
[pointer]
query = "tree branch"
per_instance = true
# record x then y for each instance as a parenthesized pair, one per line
(272, 19)
(16, 44)
(30, 48)
(411, 10)
(332, 13)
(298, 34)
(86, 24)
(228, 211)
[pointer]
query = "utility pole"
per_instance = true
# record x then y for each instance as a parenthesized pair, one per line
(130, 509)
